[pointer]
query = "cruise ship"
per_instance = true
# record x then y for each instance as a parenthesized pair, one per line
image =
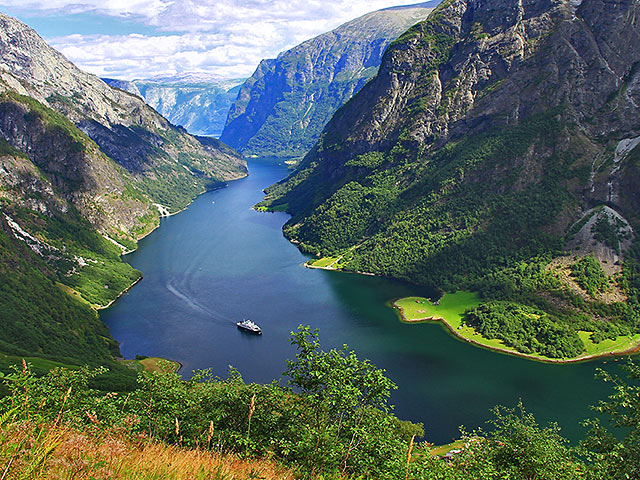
(249, 326)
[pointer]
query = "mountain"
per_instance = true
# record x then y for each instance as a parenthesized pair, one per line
(85, 171)
(199, 103)
(281, 110)
(497, 136)
(162, 157)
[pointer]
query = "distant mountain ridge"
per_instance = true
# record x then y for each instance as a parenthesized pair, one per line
(283, 107)
(198, 102)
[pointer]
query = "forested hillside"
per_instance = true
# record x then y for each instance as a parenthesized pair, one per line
(495, 138)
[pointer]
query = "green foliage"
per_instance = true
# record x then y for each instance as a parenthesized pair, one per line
(339, 424)
(526, 329)
(174, 189)
(41, 320)
(50, 118)
(423, 222)
(608, 231)
(517, 448)
(590, 276)
(7, 149)
(446, 218)
(367, 160)
(616, 455)
(348, 398)
(103, 277)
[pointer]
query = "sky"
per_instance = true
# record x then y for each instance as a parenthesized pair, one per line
(131, 39)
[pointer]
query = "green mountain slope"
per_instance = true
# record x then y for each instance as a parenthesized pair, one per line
(85, 171)
(169, 165)
(479, 151)
(283, 107)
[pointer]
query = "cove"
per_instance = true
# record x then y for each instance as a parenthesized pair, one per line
(219, 261)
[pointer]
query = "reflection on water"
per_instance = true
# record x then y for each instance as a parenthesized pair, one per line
(219, 262)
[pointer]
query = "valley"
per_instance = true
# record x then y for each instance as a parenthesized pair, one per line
(220, 261)
(430, 211)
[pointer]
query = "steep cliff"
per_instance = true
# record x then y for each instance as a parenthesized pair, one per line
(169, 165)
(495, 132)
(281, 110)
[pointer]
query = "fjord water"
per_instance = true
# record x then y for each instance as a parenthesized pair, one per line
(220, 261)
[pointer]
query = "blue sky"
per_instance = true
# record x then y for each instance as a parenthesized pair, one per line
(142, 38)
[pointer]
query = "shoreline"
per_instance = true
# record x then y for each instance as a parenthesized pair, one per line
(330, 268)
(124, 253)
(160, 217)
(631, 350)
(98, 308)
(507, 351)
(225, 184)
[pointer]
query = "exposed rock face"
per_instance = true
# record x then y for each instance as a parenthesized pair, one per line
(200, 105)
(156, 152)
(60, 171)
(483, 109)
(281, 110)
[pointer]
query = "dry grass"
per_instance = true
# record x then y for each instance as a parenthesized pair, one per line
(28, 451)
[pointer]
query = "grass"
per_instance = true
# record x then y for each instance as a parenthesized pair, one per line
(323, 262)
(439, 450)
(451, 310)
(72, 293)
(31, 450)
(153, 364)
(606, 347)
(282, 207)
(38, 364)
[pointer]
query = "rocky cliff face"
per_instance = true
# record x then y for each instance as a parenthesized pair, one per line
(490, 117)
(496, 150)
(199, 104)
(159, 155)
(281, 110)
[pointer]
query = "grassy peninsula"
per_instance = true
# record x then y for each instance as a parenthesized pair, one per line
(451, 311)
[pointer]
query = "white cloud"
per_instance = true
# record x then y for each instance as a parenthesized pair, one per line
(226, 37)
(138, 56)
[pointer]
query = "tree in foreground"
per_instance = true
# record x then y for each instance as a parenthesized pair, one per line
(616, 455)
(351, 429)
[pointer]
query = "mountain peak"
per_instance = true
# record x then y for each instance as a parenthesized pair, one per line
(282, 108)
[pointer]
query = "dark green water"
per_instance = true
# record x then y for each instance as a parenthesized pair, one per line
(217, 263)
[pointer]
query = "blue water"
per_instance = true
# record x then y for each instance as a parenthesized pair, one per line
(219, 262)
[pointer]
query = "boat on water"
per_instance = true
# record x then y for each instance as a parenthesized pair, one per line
(249, 326)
